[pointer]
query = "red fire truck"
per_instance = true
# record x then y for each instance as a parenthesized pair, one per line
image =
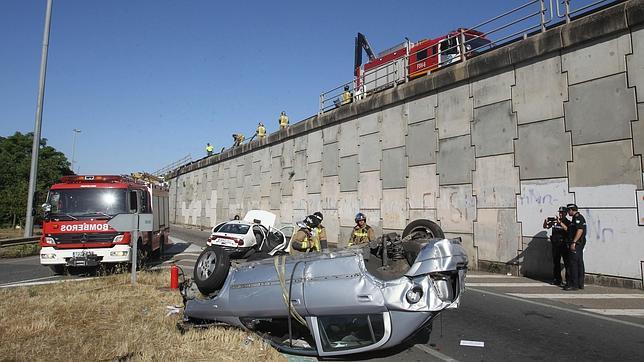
(75, 229)
(411, 60)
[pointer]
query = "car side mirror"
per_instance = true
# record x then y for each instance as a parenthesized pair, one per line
(46, 208)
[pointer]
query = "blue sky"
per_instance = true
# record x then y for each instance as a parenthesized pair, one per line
(149, 82)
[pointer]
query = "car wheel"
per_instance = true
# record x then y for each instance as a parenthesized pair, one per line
(211, 269)
(423, 229)
(57, 269)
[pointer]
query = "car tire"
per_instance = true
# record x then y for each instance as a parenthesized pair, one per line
(211, 269)
(58, 269)
(425, 229)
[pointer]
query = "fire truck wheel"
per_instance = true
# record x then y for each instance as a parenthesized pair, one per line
(57, 269)
(211, 269)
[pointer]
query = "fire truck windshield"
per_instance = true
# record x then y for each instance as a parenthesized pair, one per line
(87, 203)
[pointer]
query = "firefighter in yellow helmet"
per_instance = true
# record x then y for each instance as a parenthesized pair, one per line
(346, 96)
(303, 241)
(283, 120)
(261, 131)
(362, 233)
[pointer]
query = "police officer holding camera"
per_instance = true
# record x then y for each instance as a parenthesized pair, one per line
(558, 239)
(577, 240)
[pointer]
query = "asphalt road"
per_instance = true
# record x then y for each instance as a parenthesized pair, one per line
(514, 318)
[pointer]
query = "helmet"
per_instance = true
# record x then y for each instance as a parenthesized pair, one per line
(360, 216)
(563, 209)
(346, 87)
(319, 215)
(310, 222)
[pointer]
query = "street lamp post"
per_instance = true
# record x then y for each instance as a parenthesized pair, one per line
(76, 131)
(29, 219)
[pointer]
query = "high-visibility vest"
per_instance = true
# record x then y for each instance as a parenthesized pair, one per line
(261, 131)
(283, 120)
(346, 97)
(209, 148)
(359, 234)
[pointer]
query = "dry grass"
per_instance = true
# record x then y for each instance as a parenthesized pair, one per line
(106, 319)
(8, 233)
(19, 251)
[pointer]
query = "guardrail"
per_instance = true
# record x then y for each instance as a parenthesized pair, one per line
(19, 241)
(529, 18)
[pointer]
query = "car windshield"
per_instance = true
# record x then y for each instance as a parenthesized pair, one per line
(234, 229)
(85, 202)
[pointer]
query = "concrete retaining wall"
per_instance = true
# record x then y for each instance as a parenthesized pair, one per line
(487, 148)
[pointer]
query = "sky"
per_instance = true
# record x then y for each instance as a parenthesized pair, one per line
(149, 82)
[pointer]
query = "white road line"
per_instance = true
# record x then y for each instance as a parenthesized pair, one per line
(624, 312)
(31, 280)
(435, 353)
(545, 305)
(508, 285)
(577, 296)
(491, 276)
(44, 282)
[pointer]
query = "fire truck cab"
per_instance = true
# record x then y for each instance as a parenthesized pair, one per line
(77, 211)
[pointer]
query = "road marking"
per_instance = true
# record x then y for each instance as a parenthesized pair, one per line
(624, 312)
(435, 353)
(578, 296)
(44, 282)
(31, 280)
(490, 276)
(587, 314)
(508, 285)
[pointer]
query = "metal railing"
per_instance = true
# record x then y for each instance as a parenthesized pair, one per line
(174, 165)
(19, 241)
(527, 19)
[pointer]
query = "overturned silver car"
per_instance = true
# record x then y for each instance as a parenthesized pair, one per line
(341, 302)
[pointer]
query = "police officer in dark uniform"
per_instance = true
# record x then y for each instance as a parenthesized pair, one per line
(577, 241)
(558, 242)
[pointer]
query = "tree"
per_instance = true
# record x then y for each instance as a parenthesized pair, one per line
(15, 165)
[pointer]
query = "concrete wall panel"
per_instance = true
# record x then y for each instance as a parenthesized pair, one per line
(394, 168)
(313, 203)
(287, 181)
(332, 225)
(618, 165)
(255, 179)
(264, 186)
(422, 187)
(348, 139)
(496, 181)
(421, 109)
(288, 152)
(330, 160)
(300, 165)
(540, 199)
(606, 196)
(348, 206)
(493, 129)
(286, 210)
(454, 112)
(540, 90)
(299, 194)
(345, 235)
(314, 178)
(455, 160)
(394, 127)
(638, 135)
(600, 110)
(497, 235)
(370, 190)
(456, 208)
(276, 196)
(301, 144)
(543, 150)
(494, 89)
(370, 152)
(314, 146)
(427, 214)
(421, 143)
(349, 173)
(394, 209)
(368, 124)
(330, 192)
(635, 63)
(604, 58)
(614, 243)
(467, 240)
(330, 134)
(276, 170)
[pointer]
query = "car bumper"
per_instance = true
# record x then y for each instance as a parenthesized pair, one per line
(115, 254)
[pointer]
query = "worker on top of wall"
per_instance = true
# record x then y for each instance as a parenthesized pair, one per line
(283, 120)
(346, 96)
(303, 241)
(209, 149)
(238, 138)
(362, 233)
(320, 231)
(261, 131)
